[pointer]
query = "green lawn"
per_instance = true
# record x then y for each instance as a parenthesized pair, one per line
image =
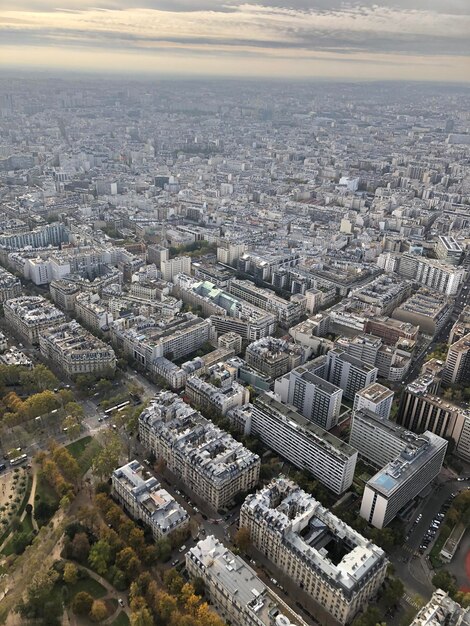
(90, 585)
(77, 448)
(121, 620)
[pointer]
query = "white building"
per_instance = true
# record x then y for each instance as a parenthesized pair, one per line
(402, 479)
(29, 316)
(376, 398)
(144, 499)
(170, 268)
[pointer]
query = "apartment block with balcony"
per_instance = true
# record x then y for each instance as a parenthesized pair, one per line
(274, 357)
(221, 399)
(330, 561)
(144, 499)
(30, 316)
(10, 286)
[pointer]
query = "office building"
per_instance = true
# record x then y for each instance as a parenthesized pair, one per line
(299, 440)
(457, 367)
(377, 439)
(436, 275)
(448, 249)
(274, 357)
(230, 341)
(332, 562)
(145, 500)
(170, 268)
(420, 409)
(233, 587)
(402, 479)
(391, 330)
(30, 316)
(10, 286)
(427, 309)
(74, 350)
(314, 397)
(208, 460)
(375, 398)
(348, 373)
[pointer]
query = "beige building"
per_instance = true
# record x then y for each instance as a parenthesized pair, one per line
(457, 367)
(30, 316)
(10, 285)
(209, 461)
(233, 587)
(333, 563)
(63, 293)
(144, 499)
(172, 267)
(230, 341)
(221, 399)
(76, 351)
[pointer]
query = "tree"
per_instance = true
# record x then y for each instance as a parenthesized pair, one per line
(40, 378)
(98, 611)
(72, 426)
(82, 603)
(173, 581)
(127, 561)
(108, 457)
(141, 617)
(163, 550)
(393, 592)
(37, 603)
(70, 574)
(445, 581)
(243, 538)
(370, 618)
(99, 557)
(20, 541)
(199, 585)
(80, 547)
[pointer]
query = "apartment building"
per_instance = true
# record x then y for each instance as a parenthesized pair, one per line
(427, 309)
(233, 587)
(382, 295)
(457, 367)
(314, 397)
(230, 341)
(75, 350)
(391, 330)
(228, 253)
(299, 440)
(461, 326)
(10, 286)
(170, 268)
(91, 311)
(145, 339)
(274, 357)
(402, 479)
(436, 275)
(208, 460)
(441, 610)
(375, 398)
(332, 562)
(30, 316)
(63, 293)
(145, 500)
(206, 396)
(348, 373)
(377, 439)
(287, 312)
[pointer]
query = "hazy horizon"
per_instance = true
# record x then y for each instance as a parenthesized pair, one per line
(410, 40)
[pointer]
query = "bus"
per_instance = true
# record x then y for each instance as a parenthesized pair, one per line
(19, 459)
(117, 407)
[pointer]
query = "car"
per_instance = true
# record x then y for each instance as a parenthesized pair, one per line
(100, 419)
(274, 581)
(121, 602)
(196, 510)
(182, 549)
(114, 427)
(204, 516)
(252, 561)
(2, 467)
(174, 563)
(203, 531)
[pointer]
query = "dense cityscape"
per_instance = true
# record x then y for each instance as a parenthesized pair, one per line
(234, 353)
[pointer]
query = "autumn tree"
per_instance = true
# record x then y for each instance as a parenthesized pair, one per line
(82, 603)
(80, 547)
(70, 574)
(173, 581)
(142, 617)
(107, 459)
(72, 425)
(243, 539)
(98, 611)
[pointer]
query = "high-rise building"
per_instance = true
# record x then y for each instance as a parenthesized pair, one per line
(172, 267)
(457, 367)
(377, 439)
(314, 397)
(332, 562)
(299, 440)
(437, 275)
(402, 479)
(228, 253)
(375, 398)
(348, 373)
(448, 249)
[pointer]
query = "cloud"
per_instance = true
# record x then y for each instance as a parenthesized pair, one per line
(264, 27)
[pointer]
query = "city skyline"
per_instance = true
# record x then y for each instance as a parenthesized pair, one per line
(397, 40)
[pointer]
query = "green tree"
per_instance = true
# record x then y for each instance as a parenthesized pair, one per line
(444, 580)
(163, 550)
(82, 603)
(107, 459)
(99, 557)
(393, 592)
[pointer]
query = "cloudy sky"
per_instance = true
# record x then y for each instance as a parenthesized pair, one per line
(363, 39)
